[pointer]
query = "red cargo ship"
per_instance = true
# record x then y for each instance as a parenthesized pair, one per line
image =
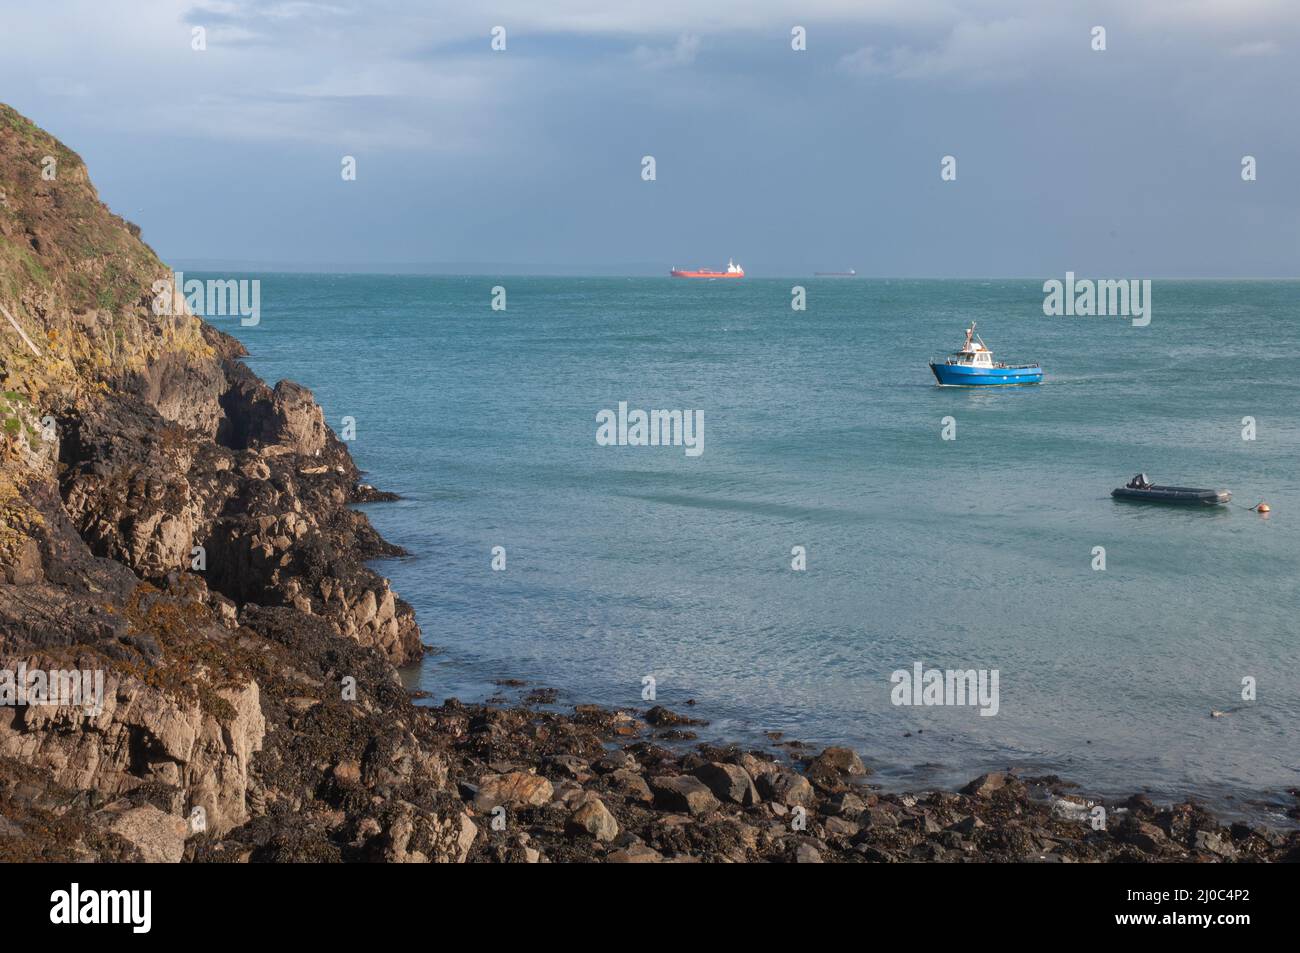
(733, 271)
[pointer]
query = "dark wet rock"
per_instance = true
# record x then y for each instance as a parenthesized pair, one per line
(636, 854)
(728, 782)
(676, 734)
(1141, 834)
(661, 717)
(683, 793)
(570, 794)
(754, 763)
(876, 855)
(986, 784)
(570, 766)
(611, 721)
(786, 787)
(1212, 842)
(1141, 805)
(879, 817)
(922, 822)
(616, 761)
(845, 804)
(630, 785)
(807, 854)
(839, 760)
(651, 756)
(839, 827)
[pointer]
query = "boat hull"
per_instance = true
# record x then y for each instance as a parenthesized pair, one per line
(960, 375)
(1177, 495)
(707, 274)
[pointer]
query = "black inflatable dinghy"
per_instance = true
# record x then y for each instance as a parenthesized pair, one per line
(1140, 490)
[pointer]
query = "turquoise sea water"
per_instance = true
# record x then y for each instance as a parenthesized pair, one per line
(822, 429)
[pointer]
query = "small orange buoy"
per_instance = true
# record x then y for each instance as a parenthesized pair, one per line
(1263, 508)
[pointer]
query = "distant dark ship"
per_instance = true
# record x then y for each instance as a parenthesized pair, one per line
(851, 273)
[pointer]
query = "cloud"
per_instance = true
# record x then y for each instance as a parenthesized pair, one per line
(1255, 48)
(681, 53)
(999, 50)
(420, 75)
(470, 153)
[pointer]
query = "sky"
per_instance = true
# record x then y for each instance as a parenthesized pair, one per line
(1125, 162)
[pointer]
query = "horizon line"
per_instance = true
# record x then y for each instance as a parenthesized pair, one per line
(521, 270)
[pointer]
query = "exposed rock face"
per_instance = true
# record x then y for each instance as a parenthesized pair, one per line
(155, 495)
(272, 522)
(160, 837)
(183, 392)
(145, 736)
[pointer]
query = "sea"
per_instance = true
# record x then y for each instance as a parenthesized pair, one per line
(954, 529)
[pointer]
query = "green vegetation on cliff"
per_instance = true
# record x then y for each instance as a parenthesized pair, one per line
(75, 276)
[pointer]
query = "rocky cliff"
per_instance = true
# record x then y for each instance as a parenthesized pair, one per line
(170, 522)
(153, 492)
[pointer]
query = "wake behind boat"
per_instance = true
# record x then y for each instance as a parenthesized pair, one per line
(973, 366)
(1140, 490)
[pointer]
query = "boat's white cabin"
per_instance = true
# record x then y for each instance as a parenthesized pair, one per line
(977, 356)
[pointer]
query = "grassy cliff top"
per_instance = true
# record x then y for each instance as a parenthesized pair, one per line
(77, 277)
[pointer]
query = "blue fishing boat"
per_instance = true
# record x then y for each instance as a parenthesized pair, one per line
(973, 366)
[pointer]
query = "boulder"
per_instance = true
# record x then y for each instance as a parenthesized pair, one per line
(840, 827)
(515, 789)
(967, 825)
(296, 420)
(683, 793)
(728, 782)
(631, 785)
(846, 804)
(786, 787)
(160, 837)
(635, 854)
(842, 760)
(1213, 843)
(807, 854)
(595, 819)
(661, 717)
(986, 784)
(1143, 835)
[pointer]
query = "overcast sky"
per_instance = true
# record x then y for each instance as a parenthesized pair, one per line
(1118, 163)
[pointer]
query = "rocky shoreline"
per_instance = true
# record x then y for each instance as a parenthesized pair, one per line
(168, 519)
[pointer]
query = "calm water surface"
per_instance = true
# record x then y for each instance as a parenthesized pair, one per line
(822, 429)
